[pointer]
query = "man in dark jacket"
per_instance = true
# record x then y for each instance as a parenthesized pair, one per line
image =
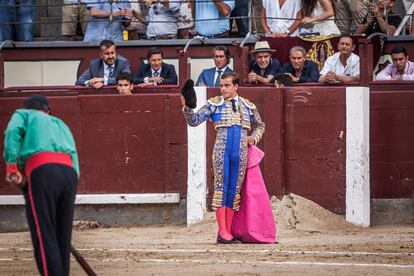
(155, 72)
(104, 70)
(299, 68)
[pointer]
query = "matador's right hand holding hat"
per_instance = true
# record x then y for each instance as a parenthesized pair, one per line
(189, 94)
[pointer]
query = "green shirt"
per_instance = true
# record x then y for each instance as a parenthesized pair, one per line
(32, 131)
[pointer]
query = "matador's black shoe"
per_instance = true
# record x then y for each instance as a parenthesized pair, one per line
(189, 94)
(223, 241)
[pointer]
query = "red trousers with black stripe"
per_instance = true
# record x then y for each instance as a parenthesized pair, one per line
(50, 196)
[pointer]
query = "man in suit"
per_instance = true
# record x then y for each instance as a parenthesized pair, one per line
(155, 72)
(104, 70)
(211, 77)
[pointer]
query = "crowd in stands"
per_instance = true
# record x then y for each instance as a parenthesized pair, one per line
(343, 66)
(171, 19)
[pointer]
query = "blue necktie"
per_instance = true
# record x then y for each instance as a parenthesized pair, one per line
(233, 105)
(156, 74)
(217, 82)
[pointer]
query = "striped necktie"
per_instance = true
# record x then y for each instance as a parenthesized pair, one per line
(110, 71)
(217, 82)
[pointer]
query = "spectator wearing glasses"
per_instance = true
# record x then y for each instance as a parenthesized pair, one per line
(162, 18)
(211, 77)
(156, 72)
(212, 17)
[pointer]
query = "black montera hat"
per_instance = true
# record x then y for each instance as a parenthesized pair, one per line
(37, 102)
(189, 94)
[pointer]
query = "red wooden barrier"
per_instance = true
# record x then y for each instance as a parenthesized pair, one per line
(127, 144)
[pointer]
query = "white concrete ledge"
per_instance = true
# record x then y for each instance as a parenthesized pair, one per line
(155, 198)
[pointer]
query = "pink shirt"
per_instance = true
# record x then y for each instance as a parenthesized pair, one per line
(390, 72)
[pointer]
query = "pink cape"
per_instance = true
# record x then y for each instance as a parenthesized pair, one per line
(254, 222)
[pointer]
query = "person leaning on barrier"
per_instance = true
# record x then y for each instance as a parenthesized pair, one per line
(211, 77)
(299, 68)
(281, 21)
(343, 66)
(107, 19)
(16, 20)
(212, 17)
(400, 69)
(380, 19)
(124, 84)
(162, 18)
(73, 11)
(156, 72)
(263, 68)
(104, 70)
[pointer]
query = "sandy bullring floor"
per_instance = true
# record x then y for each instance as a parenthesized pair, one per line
(312, 241)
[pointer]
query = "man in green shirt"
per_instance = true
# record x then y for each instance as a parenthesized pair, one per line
(39, 149)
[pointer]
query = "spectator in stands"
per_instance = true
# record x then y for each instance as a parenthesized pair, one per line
(343, 66)
(350, 13)
(124, 84)
(319, 16)
(72, 12)
(137, 28)
(104, 70)
(241, 9)
(281, 20)
(380, 19)
(283, 80)
(300, 69)
(263, 68)
(16, 20)
(212, 17)
(162, 18)
(107, 19)
(156, 72)
(211, 77)
(400, 69)
(185, 19)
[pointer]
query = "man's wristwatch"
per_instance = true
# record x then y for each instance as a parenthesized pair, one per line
(288, 32)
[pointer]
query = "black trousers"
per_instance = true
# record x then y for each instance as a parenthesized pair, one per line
(50, 197)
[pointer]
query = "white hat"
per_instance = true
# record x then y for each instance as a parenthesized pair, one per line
(262, 46)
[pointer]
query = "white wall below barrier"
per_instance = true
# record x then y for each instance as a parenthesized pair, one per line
(357, 156)
(197, 170)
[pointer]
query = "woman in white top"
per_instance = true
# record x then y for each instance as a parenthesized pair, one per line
(281, 18)
(320, 15)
